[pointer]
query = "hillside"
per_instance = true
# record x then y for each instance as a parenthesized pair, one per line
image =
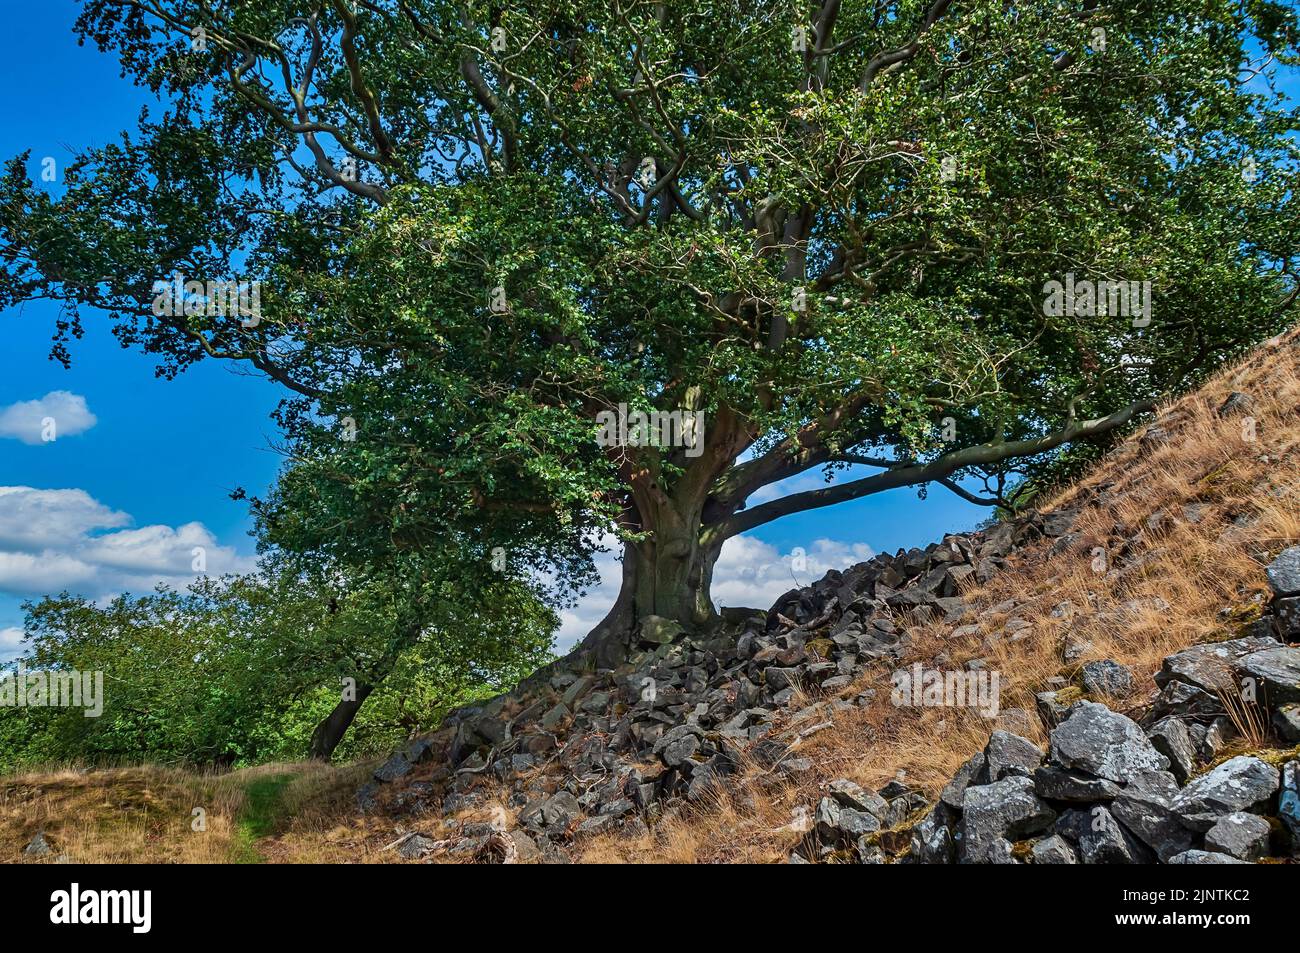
(1164, 546)
(766, 741)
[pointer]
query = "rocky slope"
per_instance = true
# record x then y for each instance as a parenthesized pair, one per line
(769, 739)
(590, 752)
(1113, 790)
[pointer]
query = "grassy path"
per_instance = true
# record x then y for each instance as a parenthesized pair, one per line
(263, 808)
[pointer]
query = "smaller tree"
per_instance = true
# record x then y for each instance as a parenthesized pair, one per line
(271, 665)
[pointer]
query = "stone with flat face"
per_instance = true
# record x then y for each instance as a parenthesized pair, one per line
(1244, 783)
(1005, 810)
(1277, 672)
(1284, 572)
(1240, 835)
(1209, 667)
(1103, 743)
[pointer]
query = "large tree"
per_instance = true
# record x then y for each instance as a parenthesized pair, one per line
(830, 228)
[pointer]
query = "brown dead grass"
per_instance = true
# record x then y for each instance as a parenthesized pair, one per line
(1243, 493)
(144, 814)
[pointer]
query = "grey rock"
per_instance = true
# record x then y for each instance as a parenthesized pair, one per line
(868, 852)
(852, 796)
(38, 846)
(1007, 809)
(1102, 743)
(1058, 523)
(704, 783)
(855, 824)
(1236, 403)
(836, 683)
(1053, 849)
(600, 824)
(1172, 739)
(1072, 787)
(678, 744)
(1209, 666)
(932, 841)
(368, 797)
(489, 729)
(618, 807)
(1015, 720)
(415, 847)
(1007, 754)
(1107, 677)
(1214, 737)
(1240, 835)
(1203, 857)
(1180, 700)
(419, 750)
(656, 630)
(560, 810)
(1286, 721)
(778, 678)
(526, 849)
(596, 702)
(1284, 572)
(1000, 851)
(577, 689)
(555, 717)
(395, 767)
(783, 698)
(1050, 709)
(1074, 647)
(1287, 616)
(826, 818)
(1144, 808)
(1100, 838)
(1243, 783)
(954, 792)
(553, 854)
(1277, 671)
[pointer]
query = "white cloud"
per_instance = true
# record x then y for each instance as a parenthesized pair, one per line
(33, 519)
(11, 638)
(749, 572)
(59, 413)
(753, 573)
(51, 540)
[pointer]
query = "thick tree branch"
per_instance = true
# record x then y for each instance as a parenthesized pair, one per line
(938, 469)
(891, 59)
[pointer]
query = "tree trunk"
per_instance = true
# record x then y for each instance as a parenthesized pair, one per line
(330, 732)
(668, 576)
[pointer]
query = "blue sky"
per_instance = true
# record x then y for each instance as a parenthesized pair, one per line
(123, 503)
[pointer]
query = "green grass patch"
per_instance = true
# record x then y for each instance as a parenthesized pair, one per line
(263, 809)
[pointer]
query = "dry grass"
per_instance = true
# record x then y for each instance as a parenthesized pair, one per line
(144, 814)
(1198, 517)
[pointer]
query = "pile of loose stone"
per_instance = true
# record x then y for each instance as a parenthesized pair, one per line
(584, 752)
(1113, 790)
